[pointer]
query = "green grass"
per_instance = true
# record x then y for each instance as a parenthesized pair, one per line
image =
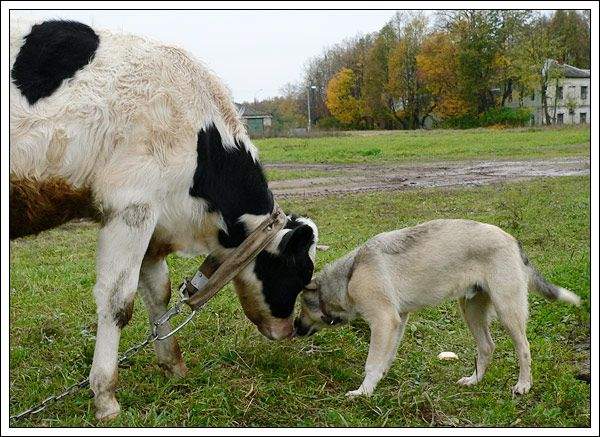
(431, 145)
(238, 378)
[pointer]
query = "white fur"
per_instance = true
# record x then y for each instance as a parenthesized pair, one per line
(568, 296)
(125, 126)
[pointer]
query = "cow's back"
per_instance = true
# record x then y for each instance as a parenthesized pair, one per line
(117, 110)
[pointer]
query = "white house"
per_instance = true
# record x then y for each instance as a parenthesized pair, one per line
(568, 102)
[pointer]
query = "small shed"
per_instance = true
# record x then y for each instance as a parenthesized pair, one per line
(258, 123)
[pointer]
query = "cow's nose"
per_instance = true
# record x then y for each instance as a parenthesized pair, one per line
(300, 329)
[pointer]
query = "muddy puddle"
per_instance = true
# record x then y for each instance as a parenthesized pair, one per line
(357, 178)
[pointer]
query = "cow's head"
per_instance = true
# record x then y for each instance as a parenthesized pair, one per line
(233, 184)
(268, 287)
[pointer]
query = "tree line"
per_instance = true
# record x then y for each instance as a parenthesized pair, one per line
(456, 67)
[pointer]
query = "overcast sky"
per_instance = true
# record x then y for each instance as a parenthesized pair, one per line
(254, 52)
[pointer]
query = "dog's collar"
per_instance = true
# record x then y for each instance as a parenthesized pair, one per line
(326, 317)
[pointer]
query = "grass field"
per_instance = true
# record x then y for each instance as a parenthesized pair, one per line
(431, 145)
(238, 378)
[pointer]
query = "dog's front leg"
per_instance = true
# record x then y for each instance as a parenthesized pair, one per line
(386, 331)
(121, 246)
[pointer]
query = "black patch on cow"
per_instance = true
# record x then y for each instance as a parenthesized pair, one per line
(232, 183)
(283, 276)
(293, 221)
(53, 51)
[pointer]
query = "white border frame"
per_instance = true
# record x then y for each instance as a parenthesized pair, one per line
(4, 296)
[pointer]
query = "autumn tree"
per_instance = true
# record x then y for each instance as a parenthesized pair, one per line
(341, 100)
(572, 32)
(319, 70)
(472, 61)
(378, 101)
(437, 66)
(482, 37)
(532, 61)
(405, 84)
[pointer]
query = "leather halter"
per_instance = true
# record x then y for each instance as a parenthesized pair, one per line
(212, 276)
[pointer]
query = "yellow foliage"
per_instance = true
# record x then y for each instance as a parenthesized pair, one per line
(437, 66)
(340, 99)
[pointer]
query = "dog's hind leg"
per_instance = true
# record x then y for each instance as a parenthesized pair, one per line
(155, 288)
(510, 302)
(476, 313)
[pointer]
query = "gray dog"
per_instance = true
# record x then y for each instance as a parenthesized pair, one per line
(398, 272)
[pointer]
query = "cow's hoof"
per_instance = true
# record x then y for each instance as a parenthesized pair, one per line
(107, 410)
(177, 370)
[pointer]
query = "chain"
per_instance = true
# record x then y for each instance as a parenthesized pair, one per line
(250, 247)
(125, 356)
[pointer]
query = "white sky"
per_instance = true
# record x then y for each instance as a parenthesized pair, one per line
(254, 52)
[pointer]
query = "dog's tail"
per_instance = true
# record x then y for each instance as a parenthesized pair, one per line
(540, 285)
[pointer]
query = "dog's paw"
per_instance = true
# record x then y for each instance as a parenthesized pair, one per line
(354, 393)
(358, 392)
(521, 388)
(467, 381)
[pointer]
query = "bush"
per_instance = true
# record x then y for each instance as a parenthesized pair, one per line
(328, 123)
(506, 117)
(510, 117)
(467, 121)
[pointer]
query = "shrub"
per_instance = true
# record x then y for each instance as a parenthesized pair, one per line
(328, 122)
(511, 117)
(506, 117)
(466, 121)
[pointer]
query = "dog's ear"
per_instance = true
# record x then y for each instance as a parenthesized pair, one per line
(312, 285)
(298, 241)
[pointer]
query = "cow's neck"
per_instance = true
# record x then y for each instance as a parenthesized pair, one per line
(232, 182)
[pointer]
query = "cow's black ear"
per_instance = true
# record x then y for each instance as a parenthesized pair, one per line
(298, 241)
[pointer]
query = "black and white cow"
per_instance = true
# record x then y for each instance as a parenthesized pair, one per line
(143, 137)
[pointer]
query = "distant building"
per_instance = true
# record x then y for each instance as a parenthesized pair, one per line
(258, 124)
(572, 97)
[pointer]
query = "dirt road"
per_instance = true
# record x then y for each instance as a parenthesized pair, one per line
(356, 178)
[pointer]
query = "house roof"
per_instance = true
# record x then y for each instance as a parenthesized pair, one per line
(569, 70)
(251, 113)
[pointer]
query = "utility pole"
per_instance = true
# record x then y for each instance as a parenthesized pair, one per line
(311, 87)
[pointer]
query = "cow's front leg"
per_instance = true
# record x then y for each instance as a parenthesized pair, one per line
(121, 246)
(155, 289)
